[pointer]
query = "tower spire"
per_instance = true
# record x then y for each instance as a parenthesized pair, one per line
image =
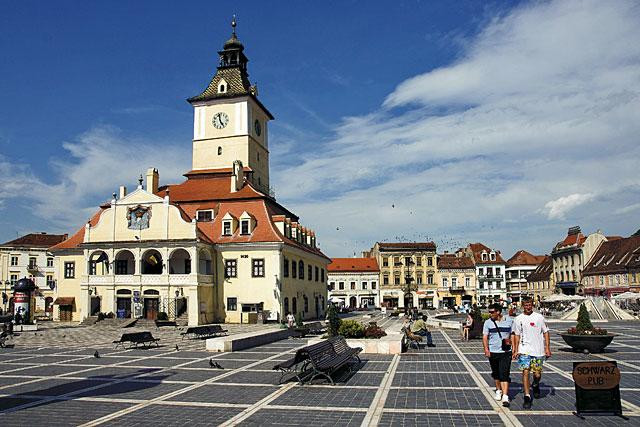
(233, 25)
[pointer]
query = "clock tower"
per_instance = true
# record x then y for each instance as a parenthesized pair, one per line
(229, 122)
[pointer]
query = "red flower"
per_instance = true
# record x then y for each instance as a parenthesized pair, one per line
(532, 324)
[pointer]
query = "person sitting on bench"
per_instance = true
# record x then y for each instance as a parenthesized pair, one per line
(419, 327)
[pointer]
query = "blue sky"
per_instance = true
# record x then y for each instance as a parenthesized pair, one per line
(500, 122)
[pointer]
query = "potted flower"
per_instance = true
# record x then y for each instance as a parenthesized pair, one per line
(584, 337)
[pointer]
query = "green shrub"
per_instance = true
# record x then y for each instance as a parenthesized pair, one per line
(374, 331)
(584, 322)
(351, 329)
(334, 320)
(299, 323)
(483, 316)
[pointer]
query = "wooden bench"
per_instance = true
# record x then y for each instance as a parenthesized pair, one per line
(162, 323)
(296, 365)
(411, 339)
(204, 331)
(328, 356)
(135, 338)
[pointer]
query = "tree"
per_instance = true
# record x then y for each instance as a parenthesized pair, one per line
(334, 320)
(584, 322)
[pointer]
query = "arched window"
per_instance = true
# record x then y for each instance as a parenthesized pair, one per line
(98, 264)
(294, 269)
(301, 270)
(219, 151)
(125, 262)
(151, 262)
(180, 262)
(306, 303)
(294, 303)
(286, 306)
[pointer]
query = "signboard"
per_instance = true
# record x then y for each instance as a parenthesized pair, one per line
(136, 296)
(597, 387)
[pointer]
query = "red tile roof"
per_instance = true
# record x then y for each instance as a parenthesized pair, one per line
(543, 272)
(353, 264)
(36, 240)
(450, 261)
(614, 256)
(478, 248)
(207, 191)
(523, 257)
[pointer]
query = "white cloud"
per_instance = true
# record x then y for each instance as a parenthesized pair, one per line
(557, 209)
(98, 162)
(539, 106)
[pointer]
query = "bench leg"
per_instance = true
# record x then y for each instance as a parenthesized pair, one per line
(322, 374)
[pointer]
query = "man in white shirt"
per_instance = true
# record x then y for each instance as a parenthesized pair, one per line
(530, 348)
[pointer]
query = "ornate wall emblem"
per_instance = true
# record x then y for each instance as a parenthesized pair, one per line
(138, 217)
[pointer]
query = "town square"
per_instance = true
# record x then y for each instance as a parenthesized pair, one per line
(332, 214)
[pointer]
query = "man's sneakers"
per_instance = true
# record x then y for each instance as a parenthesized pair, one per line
(527, 402)
(431, 345)
(498, 395)
(505, 400)
(536, 389)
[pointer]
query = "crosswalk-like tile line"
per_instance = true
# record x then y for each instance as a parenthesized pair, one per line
(505, 415)
(129, 410)
(374, 414)
(73, 393)
(262, 403)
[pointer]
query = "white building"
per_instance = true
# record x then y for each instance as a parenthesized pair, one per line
(519, 267)
(490, 267)
(353, 282)
(28, 256)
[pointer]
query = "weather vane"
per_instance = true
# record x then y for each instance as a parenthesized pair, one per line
(234, 23)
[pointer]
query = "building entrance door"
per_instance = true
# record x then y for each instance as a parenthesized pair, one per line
(95, 306)
(353, 302)
(151, 308)
(66, 313)
(123, 305)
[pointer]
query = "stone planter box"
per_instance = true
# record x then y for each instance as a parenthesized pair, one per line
(390, 344)
(591, 343)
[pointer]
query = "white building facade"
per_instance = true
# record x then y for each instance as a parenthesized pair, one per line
(353, 282)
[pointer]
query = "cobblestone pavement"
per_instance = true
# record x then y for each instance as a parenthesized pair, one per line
(54, 379)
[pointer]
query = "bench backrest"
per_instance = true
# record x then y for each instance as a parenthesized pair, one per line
(320, 351)
(145, 336)
(215, 328)
(340, 345)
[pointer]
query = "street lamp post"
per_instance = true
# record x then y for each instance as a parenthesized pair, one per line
(5, 297)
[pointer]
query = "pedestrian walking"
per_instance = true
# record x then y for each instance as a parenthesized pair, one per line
(530, 348)
(291, 320)
(466, 327)
(496, 338)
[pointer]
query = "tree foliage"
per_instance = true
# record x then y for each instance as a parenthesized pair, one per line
(584, 322)
(334, 320)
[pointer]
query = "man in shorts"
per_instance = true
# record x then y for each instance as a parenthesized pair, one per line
(530, 348)
(496, 329)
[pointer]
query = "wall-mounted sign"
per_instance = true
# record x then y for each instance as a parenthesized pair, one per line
(597, 387)
(244, 256)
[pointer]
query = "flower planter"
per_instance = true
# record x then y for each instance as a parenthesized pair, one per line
(590, 343)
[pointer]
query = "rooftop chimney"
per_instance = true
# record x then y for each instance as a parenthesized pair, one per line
(153, 178)
(123, 192)
(237, 176)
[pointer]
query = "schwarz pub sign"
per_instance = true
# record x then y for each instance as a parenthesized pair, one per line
(597, 387)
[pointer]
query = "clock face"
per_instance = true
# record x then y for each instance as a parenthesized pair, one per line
(220, 120)
(258, 127)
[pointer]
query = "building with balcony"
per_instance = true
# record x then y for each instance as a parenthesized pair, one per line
(28, 256)
(569, 257)
(541, 282)
(490, 267)
(612, 270)
(354, 282)
(518, 268)
(216, 247)
(456, 280)
(407, 274)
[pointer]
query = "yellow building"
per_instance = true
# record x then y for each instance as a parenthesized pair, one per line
(217, 247)
(542, 282)
(407, 274)
(456, 280)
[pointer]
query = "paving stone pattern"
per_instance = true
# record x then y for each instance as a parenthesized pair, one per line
(52, 378)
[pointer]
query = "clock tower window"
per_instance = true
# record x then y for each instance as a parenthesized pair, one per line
(219, 151)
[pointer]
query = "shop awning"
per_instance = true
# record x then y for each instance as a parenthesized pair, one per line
(65, 300)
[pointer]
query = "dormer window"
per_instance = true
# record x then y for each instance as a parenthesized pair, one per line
(493, 256)
(484, 256)
(246, 223)
(226, 228)
(204, 216)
